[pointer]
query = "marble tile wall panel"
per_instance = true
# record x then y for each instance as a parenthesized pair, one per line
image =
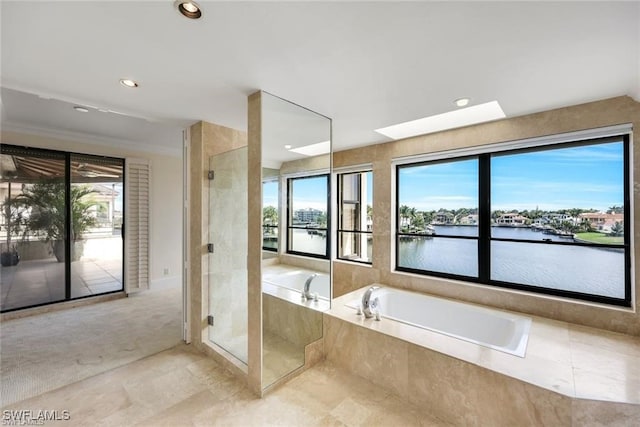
(379, 358)
(305, 262)
(465, 394)
(292, 322)
(600, 414)
(572, 375)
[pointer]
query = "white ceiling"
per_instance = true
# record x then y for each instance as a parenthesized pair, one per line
(365, 65)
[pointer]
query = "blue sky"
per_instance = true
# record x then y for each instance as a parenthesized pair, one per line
(307, 193)
(577, 177)
(270, 194)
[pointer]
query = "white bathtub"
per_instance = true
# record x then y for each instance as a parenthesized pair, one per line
(495, 329)
(294, 280)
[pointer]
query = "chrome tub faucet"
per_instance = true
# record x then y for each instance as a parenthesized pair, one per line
(307, 285)
(369, 306)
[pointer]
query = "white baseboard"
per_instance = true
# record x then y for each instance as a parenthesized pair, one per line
(166, 282)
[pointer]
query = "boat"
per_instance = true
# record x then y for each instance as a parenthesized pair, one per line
(428, 230)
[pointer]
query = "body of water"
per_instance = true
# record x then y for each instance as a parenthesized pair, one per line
(303, 241)
(572, 268)
(597, 271)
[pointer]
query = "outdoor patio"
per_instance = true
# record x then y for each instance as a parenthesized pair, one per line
(41, 281)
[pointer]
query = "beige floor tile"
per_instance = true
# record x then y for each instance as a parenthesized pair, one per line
(179, 387)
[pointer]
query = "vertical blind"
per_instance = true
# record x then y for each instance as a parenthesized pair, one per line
(137, 202)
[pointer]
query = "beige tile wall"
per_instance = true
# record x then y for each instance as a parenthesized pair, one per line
(254, 260)
(292, 322)
(348, 276)
(452, 390)
(207, 140)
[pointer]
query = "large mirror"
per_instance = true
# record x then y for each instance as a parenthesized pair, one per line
(296, 225)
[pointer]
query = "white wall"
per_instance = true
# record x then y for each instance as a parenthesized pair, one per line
(166, 195)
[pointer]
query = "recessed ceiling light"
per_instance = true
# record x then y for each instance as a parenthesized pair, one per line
(323, 147)
(128, 83)
(81, 109)
(462, 102)
(190, 9)
(453, 119)
(287, 147)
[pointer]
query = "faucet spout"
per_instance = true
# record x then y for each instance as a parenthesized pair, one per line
(369, 305)
(307, 286)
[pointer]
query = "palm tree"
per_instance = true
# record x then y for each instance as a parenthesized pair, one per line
(404, 216)
(270, 215)
(45, 202)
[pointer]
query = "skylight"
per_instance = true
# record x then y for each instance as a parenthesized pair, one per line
(313, 149)
(453, 119)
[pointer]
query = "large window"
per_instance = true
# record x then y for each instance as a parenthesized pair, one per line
(270, 217)
(355, 224)
(307, 212)
(551, 219)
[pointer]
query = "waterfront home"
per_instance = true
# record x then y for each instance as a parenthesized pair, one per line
(512, 220)
(443, 218)
(468, 220)
(601, 221)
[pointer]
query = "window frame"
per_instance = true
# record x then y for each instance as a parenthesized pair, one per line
(341, 202)
(289, 217)
(397, 229)
(485, 239)
(277, 225)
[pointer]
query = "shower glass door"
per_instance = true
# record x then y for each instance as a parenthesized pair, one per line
(228, 262)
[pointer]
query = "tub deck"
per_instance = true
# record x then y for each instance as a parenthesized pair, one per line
(574, 361)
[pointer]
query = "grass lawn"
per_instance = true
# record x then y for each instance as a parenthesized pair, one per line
(600, 238)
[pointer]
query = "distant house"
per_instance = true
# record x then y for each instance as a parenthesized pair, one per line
(469, 220)
(443, 217)
(601, 221)
(511, 220)
(559, 217)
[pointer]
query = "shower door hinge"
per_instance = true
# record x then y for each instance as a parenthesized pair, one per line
(211, 175)
(210, 320)
(210, 248)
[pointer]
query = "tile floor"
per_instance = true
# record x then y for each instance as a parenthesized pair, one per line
(181, 387)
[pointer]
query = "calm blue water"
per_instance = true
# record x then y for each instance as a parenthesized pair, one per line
(572, 268)
(302, 241)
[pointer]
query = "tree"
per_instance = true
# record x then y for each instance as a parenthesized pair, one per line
(46, 207)
(14, 220)
(585, 226)
(615, 209)
(269, 215)
(617, 229)
(418, 221)
(404, 216)
(496, 214)
(322, 220)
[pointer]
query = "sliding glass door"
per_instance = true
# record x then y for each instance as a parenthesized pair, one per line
(60, 229)
(33, 228)
(96, 218)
